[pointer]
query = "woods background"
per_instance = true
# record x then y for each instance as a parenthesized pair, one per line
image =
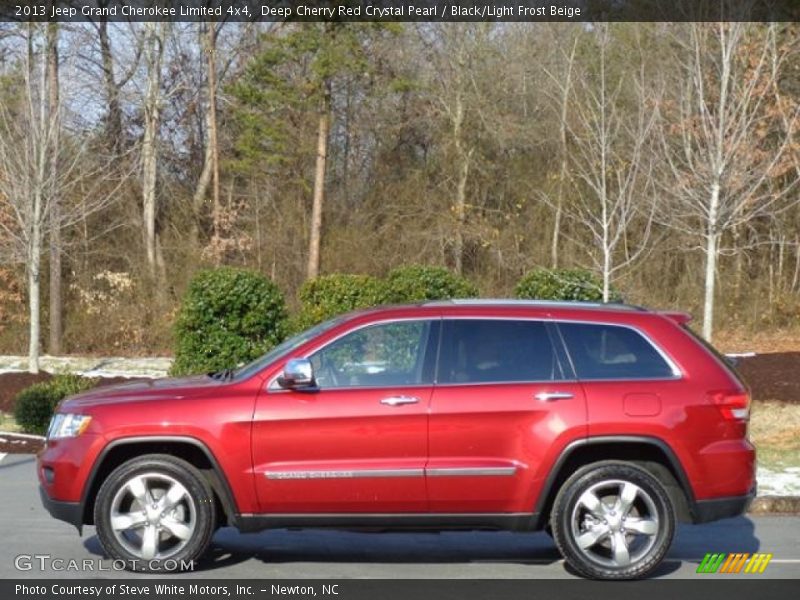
(663, 157)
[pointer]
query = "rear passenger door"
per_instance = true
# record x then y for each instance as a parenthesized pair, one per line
(502, 407)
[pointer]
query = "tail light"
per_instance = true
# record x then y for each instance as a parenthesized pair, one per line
(733, 406)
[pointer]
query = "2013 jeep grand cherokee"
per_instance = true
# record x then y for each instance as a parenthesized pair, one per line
(603, 424)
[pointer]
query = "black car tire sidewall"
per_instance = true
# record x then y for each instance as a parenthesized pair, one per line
(568, 496)
(195, 484)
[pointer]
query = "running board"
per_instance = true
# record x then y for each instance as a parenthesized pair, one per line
(247, 523)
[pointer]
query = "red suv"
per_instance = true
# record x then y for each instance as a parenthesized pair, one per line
(602, 424)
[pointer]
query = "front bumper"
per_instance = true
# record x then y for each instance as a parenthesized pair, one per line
(705, 511)
(71, 512)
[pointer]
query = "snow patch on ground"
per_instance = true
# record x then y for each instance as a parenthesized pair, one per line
(92, 367)
(784, 482)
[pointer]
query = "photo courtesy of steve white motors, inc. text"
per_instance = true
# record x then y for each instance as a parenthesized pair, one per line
(171, 589)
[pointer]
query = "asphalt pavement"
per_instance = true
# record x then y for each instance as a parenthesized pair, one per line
(28, 533)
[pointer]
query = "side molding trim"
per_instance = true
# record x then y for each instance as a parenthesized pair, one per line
(369, 473)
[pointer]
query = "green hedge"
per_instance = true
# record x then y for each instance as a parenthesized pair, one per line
(329, 295)
(228, 316)
(415, 283)
(35, 404)
(562, 284)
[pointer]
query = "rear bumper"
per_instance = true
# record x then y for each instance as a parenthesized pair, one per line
(705, 511)
(71, 512)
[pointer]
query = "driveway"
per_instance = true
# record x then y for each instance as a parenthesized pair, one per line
(29, 531)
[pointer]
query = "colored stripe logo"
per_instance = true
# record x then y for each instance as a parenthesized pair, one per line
(734, 563)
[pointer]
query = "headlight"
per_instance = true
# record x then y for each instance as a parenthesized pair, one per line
(66, 426)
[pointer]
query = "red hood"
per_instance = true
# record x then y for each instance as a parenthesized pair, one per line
(142, 389)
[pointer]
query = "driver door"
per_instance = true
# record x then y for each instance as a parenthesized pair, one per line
(358, 443)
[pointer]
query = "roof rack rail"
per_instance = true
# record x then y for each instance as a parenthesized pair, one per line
(541, 303)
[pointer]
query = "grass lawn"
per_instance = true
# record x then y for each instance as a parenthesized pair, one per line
(775, 430)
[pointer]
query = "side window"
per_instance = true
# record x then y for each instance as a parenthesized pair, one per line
(612, 352)
(383, 355)
(483, 351)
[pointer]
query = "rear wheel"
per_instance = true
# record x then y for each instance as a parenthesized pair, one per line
(155, 512)
(613, 520)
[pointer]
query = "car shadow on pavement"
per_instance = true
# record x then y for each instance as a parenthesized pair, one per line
(693, 542)
(308, 545)
(276, 546)
(215, 558)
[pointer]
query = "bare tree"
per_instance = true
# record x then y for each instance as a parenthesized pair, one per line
(323, 128)
(39, 167)
(112, 84)
(562, 79)
(155, 35)
(609, 165)
(211, 57)
(720, 167)
(56, 308)
(206, 37)
(455, 51)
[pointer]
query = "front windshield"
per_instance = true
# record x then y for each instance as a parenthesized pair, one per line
(284, 348)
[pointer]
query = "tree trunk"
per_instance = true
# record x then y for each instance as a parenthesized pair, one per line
(606, 276)
(556, 232)
(461, 214)
(211, 49)
(712, 247)
(114, 116)
(712, 253)
(465, 156)
(562, 173)
(199, 197)
(738, 267)
(604, 166)
(315, 237)
(40, 155)
(796, 276)
(35, 252)
(56, 308)
(149, 143)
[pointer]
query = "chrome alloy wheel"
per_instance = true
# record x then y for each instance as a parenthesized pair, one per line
(614, 523)
(153, 516)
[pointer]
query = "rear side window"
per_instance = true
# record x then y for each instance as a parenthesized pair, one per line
(496, 351)
(612, 352)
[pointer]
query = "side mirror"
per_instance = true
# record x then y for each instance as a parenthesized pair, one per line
(297, 374)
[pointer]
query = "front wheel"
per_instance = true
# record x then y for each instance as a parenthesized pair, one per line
(155, 513)
(613, 520)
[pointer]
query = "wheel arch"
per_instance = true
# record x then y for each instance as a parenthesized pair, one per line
(187, 448)
(653, 454)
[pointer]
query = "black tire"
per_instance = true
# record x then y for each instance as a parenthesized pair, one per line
(617, 539)
(175, 515)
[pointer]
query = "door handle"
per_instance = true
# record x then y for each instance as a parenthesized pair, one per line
(550, 396)
(399, 400)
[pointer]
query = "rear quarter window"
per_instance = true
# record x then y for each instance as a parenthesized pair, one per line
(613, 352)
